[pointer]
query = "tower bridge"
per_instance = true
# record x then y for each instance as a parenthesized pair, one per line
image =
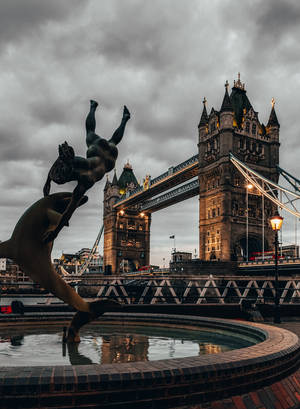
(233, 147)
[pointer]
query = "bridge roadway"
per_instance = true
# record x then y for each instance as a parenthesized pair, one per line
(174, 176)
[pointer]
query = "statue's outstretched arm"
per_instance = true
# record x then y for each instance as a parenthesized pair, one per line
(119, 132)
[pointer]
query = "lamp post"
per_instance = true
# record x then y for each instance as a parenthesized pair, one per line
(276, 223)
(248, 187)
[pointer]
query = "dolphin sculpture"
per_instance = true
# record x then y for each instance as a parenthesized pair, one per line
(27, 247)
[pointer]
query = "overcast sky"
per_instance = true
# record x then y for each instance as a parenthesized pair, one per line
(160, 58)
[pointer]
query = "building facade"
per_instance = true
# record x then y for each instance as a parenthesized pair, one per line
(224, 216)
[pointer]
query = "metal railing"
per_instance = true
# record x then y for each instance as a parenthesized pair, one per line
(186, 290)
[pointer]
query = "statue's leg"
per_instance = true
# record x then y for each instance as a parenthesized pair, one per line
(90, 123)
(119, 132)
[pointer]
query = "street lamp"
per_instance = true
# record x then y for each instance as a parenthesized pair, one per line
(249, 186)
(276, 223)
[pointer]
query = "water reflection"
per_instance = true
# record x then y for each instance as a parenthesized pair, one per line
(111, 344)
(126, 348)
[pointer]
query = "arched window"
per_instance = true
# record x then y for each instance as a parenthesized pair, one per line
(253, 129)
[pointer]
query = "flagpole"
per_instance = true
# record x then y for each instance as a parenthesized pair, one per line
(173, 237)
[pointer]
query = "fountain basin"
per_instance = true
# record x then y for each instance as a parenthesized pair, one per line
(164, 383)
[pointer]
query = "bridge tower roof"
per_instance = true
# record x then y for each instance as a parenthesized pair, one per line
(239, 100)
(127, 177)
(226, 104)
(204, 116)
(273, 121)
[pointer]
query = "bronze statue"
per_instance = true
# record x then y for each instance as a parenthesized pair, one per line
(100, 158)
(32, 239)
(27, 247)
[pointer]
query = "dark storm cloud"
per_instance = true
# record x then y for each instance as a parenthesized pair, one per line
(21, 18)
(131, 32)
(277, 19)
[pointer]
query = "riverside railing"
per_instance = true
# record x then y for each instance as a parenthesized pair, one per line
(182, 290)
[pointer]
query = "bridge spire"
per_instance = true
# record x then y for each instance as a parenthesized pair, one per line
(273, 121)
(115, 179)
(226, 104)
(238, 83)
(204, 116)
(107, 184)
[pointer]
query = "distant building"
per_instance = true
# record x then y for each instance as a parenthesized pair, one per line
(2, 264)
(72, 262)
(11, 273)
(290, 251)
(178, 256)
(96, 262)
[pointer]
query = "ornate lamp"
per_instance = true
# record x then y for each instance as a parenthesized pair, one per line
(276, 223)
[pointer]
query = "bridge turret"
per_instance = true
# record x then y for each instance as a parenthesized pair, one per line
(226, 112)
(203, 124)
(273, 124)
(273, 133)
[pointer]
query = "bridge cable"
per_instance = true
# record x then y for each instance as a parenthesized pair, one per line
(86, 264)
(267, 187)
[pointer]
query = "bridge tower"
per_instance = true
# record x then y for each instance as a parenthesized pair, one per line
(223, 221)
(126, 231)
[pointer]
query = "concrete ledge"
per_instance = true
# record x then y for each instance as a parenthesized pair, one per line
(183, 382)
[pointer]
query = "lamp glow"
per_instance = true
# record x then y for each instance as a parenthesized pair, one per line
(276, 222)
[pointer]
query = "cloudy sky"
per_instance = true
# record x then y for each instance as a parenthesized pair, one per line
(160, 58)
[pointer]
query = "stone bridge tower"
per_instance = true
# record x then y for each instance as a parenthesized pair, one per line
(223, 190)
(127, 231)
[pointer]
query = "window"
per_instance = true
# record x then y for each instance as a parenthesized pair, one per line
(208, 233)
(131, 224)
(214, 213)
(218, 211)
(247, 127)
(213, 127)
(253, 129)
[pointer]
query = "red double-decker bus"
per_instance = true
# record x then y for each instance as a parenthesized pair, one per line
(267, 255)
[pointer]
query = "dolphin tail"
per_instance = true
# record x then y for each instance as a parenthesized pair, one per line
(6, 249)
(81, 318)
